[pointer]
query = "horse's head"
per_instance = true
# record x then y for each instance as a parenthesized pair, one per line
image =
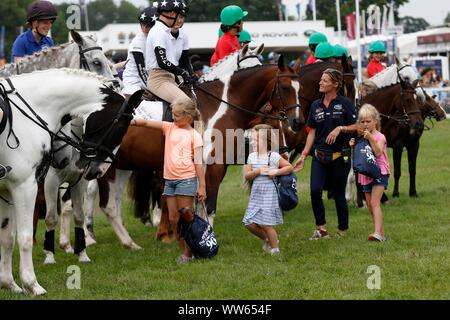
(410, 107)
(90, 56)
(429, 107)
(104, 131)
(407, 73)
(285, 96)
(249, 57)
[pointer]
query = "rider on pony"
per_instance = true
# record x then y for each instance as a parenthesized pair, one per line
(167, 52)
(40, 17)
(377, 50)
(135, 75)
(231, 18)
(314, 40)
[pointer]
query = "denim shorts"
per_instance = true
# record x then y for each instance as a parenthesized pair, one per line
(181, 187)
(382, 181)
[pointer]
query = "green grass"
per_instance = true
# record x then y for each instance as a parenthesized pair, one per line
(414, 262)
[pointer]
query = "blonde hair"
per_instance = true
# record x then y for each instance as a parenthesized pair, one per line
(369, 86)
(270, 134)
(336, 77)
(369, 111)
(189, 108)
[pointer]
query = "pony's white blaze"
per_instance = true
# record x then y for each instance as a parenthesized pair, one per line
(207, 136)
(296, 85)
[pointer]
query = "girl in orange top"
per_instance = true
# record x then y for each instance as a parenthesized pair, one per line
(183, 168)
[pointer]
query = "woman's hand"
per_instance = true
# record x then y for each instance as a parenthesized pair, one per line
(273, 173)
(299, 164)
(333, 135)
(201, 193)
(264, 170)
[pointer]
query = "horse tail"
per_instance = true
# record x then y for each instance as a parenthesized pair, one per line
(139, 190)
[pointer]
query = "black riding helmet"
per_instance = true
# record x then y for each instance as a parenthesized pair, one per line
(179, 6)
(149, 16)
(41, 10)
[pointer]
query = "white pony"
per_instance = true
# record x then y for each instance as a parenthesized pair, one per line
(242, 59)
(67, 94)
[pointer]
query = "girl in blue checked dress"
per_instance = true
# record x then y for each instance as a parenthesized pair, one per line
(263, 211)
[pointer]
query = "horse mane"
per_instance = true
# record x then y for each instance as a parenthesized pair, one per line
(38, 56)
(381, 78)
(240, 71)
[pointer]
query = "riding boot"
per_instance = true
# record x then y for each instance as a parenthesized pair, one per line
(4, 170)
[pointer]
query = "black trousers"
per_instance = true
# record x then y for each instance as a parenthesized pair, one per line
(338, 171)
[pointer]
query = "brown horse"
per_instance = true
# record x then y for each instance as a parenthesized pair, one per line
(225, 107)
(399, 137)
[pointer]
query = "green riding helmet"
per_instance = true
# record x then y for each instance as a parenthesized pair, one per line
(245, 36)
(324, 51)
(220, 32)
(339, 51)
(377, 46)
(232, 14)
(317, 38)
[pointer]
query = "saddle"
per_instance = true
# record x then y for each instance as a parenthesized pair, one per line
(167, 109)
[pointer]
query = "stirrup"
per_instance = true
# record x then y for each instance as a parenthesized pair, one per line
(4, 170)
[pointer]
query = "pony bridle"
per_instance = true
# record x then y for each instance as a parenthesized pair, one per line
(276, 90)
(90, 150)
(85, 65)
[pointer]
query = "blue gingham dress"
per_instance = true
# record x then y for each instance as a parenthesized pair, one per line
(263, 207)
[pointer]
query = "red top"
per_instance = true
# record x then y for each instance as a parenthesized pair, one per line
(226, 45)
(373, 68)
(311, 59)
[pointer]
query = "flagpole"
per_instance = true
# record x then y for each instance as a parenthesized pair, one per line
(314, 10)
(358, 41)
(338, 13)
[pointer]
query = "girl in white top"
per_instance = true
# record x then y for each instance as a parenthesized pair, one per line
(167, 50)
(135, 74)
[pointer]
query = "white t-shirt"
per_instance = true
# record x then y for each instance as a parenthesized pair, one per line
(160, 36)
(131, 80)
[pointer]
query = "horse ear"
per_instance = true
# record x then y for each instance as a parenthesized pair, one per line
(281, 64)
(76, 37)
(415, 83)
(134, 101)
(259, 49)
(244, 50)
(397, 62)
(434, 96)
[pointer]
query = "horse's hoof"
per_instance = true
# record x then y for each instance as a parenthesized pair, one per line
(395, 194)
(89, 241)
(67, 248)
(35, 289)
(133, 247)
(148, 224)
(413, 194)
(49, 257)
(12, 286)
(166, 238)
(83, 257)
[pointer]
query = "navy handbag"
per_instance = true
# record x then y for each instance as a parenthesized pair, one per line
(286, 186)
(364, 161)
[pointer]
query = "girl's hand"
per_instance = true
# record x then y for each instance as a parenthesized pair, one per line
(273, 173)
(352, 142)
(367, 134)
(264, 170)
(201, 193)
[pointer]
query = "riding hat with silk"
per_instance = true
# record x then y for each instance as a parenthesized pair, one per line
(230, 15)
(148, 16)
(317, 38)
(339, 51)
(41, 10)
(377, 46)
(324, 51)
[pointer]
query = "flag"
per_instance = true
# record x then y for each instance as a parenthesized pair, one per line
(2, 42)
(350, 26)
(299, 12)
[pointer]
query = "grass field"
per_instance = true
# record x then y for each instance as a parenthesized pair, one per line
(414, 263)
